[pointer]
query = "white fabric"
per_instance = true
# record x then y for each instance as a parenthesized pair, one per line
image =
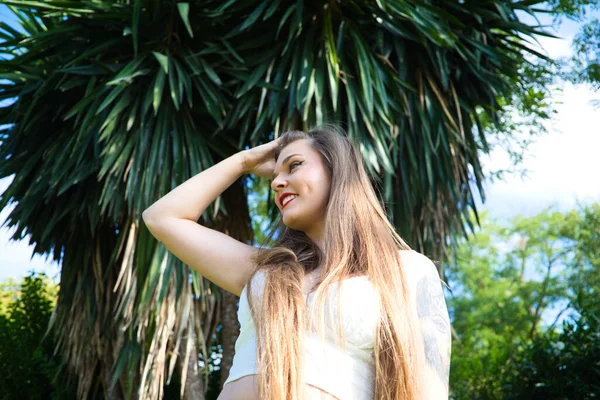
(347, 375)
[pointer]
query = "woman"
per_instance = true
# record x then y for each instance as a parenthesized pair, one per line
(341, 307)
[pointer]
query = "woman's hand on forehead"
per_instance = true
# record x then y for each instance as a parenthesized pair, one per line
(260, 160)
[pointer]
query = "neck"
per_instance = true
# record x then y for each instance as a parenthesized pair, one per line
(316, 235)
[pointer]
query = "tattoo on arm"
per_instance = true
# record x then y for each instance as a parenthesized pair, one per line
(435, 323)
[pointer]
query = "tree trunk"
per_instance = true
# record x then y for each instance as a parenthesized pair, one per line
(230, 332)
(194, 385)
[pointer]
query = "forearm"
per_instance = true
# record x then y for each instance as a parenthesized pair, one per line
(190, 199)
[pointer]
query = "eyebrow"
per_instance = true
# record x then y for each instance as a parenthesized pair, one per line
(285, 160)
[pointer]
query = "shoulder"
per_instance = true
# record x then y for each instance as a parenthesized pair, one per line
(422, 276)
(417, 266)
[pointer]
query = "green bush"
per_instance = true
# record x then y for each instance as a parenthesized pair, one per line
(560, 365)
(29, 370)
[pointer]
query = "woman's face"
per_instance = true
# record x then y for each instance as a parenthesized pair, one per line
(300, 172)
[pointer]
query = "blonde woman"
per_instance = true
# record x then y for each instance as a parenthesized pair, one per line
(340, 307)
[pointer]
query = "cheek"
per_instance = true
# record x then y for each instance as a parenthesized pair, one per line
(312, 184)
(320, 190)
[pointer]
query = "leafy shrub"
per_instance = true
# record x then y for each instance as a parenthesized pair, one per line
(29, 369)
(560, 365)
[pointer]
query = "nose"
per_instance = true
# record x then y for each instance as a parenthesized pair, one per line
(278, 183)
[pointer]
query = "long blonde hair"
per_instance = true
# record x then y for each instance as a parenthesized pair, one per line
(358, 241)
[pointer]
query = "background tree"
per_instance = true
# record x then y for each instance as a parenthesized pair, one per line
(114, 103)
(584, 65)
(511, 286)
(560, 364)
(9, 291)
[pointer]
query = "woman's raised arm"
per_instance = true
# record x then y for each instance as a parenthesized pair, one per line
(173, 220)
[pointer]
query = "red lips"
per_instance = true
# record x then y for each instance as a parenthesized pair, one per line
(282, 197)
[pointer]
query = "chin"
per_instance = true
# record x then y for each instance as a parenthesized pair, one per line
(291, 223)
(294, 221)
(299, 222)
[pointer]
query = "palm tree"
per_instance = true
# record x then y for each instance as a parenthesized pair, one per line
(114, 103)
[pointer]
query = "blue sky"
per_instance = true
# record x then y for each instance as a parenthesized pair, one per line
(562, 167)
